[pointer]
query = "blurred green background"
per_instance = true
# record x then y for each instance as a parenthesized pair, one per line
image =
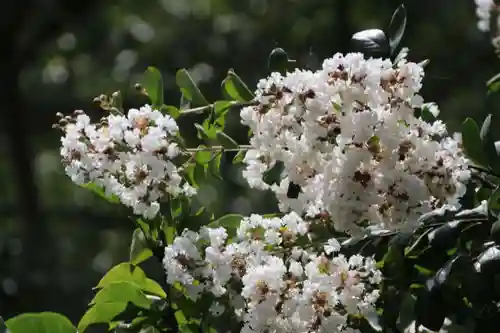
(57, 240)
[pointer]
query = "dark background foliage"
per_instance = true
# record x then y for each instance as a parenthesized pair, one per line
(57, 240)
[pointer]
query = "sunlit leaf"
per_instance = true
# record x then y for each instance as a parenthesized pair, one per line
(44, 322)
(100, 192)
(397, 27)
(189, 88)
(130, 273)
(235, 88)
(153, 83)
(139, 248)
(122, 292)
(372, 43)
(101, 313)
(172, 111)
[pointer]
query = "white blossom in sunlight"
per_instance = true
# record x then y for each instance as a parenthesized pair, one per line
(271, 284)
(129, 156)
(351, 145)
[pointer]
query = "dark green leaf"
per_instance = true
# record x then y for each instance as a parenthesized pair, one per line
(122, 292)
(150, 329)
(230, 221)
(495, 232)
(485, 128)
(3, 327)
(153, 83)
(226, 141)
(117, 101)
(239, 157)
(494, 200)
(430, 306)
(488, 262)
(372, 43)
(172, 111)
(397, 27)
(44, 322)
(488, 144)
(189, 89)
(401, 55)
(472, 143)
(493, 84)
(214, 165)
(436, 216)
(139, 249)
(445, 236)
(278, 61)
(101, 313)
(235, 88)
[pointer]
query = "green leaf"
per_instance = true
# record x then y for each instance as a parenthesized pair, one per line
(472, 143)
(130, 273)
(171, 110)
(3, 327)
(278, 61)
(221, 106)
(200, 173)
(372, 43)
(101, 313)
(100, 192)
(401, 55)
(229, 221)
(430, 307)
(139, 249)
(189, 89)
(226, 141)
(203, 156)
(494, 200)
(234, 87)
(239, 157)
(205, 132)
(495, 232)
(214, 165)
(122, 292)
(493, 84)
(153, 83)
(150, 329)
(488, 262)
(397, 27)
(44, 322)
(488, 144)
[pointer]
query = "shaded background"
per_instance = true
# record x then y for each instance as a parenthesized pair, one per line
(57, 240)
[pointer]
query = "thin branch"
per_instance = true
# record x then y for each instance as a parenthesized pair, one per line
(210, 107)
(198, 110)
(218, 148)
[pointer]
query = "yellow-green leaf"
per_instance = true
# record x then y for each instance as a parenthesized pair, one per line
(44, 322)
(101, 313)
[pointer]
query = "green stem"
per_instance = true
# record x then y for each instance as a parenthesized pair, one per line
(197, 110)
(218, 148)
(210, 107)
(481, 169)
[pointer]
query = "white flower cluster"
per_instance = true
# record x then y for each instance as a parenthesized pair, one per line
(271, 284)
(351, 146)
(484, 10)
(129, 156)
